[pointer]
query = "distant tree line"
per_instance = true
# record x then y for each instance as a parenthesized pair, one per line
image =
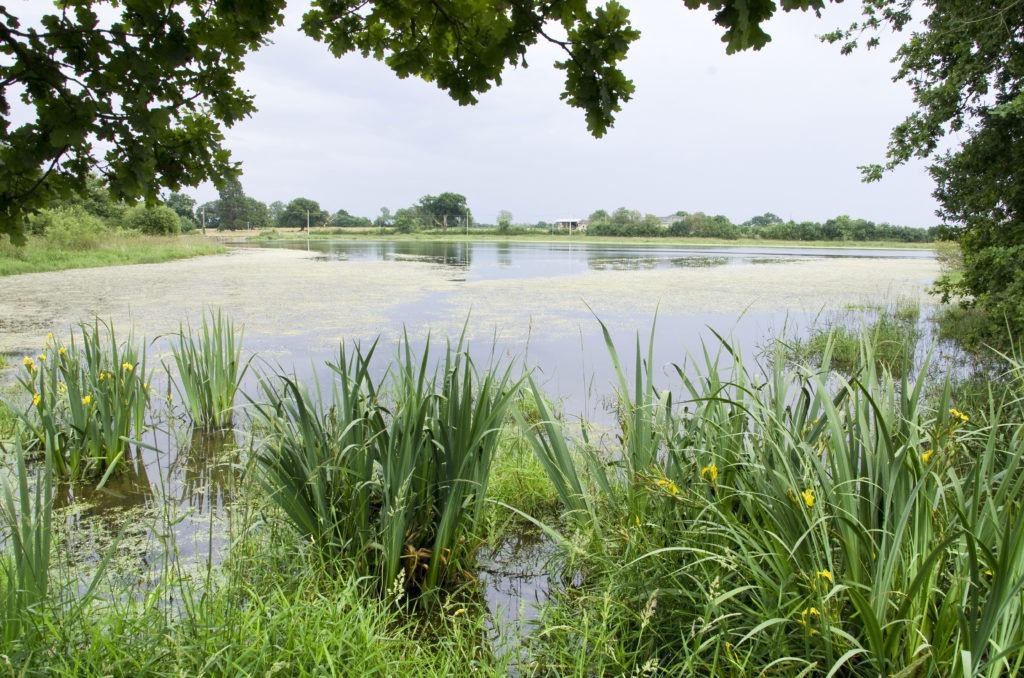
(84, 218)
(624, 222)
(233, 210)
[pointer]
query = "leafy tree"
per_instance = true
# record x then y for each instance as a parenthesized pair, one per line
(139, 94)
(208, 214)
(301, 211)
(964, 63)
(274, 211)
(257, 215)
(408, 220)
(384, 220)
(185, 207)
(625, 222)
(343, 219)
(765, 219)
(232, 209)
(504, 220)
(143, 91)
(95, 200)
(159, 220)
(447, 209)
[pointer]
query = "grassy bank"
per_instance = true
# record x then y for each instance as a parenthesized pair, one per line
(40, 255)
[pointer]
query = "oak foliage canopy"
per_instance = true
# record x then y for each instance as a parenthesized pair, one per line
(139, 91)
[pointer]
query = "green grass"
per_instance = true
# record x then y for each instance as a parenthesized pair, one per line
(519, 480)
(210, 369)
(746, 519)
(39, 255)
(892, 330)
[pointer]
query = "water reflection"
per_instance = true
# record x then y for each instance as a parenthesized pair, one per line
(503, 251)
(607, 263)
(454, 254)
(126, 489)
(206, 470)
(515, 574)
(472, 260)
(698, 262)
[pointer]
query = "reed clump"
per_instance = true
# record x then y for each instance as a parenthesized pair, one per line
(792, 520)
(210, 369)
(390, 474)
(88, 399)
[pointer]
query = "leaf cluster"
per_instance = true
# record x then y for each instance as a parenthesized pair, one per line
(139, 91)
(139, 97)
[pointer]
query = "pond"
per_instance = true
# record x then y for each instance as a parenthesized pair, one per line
(538, 301)
(535, 302)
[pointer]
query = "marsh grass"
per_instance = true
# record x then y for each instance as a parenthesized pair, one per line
(210, 369)
(40, 255)
(518, 479)
(893, 333)
(88, 398)
(391, 474)
(747, 519)
(270, 608)
(796, 522)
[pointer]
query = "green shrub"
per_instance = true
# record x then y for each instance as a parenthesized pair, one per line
(74, 228)
(160, 220)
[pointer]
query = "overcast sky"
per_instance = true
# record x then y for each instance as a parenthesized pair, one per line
(780, 130)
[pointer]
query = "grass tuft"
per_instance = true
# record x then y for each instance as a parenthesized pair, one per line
(210, 369)
(391, 475)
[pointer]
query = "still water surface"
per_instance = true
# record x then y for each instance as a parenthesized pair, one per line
(542, 300)
(535, 302)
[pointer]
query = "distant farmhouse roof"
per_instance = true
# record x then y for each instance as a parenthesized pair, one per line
(571, 224)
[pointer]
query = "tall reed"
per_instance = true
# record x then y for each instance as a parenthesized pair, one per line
(210, 369)
(88, 399)
(26, 520)
(391, 473)
(801, 522)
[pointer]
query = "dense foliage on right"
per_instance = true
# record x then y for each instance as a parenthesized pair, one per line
(964, 62)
